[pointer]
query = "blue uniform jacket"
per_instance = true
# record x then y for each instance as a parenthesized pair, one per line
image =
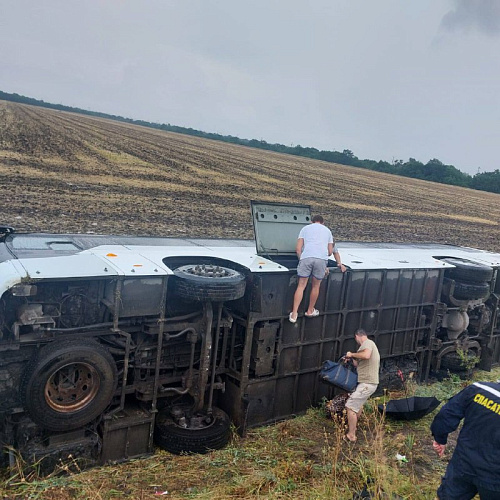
(477, 453)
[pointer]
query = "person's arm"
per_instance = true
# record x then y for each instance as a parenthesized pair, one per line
(364, 354)
(299, 246)
(447, 420)
(336, 255)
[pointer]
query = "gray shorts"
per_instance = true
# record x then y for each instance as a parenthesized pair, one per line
(312, 267)
(360, 396)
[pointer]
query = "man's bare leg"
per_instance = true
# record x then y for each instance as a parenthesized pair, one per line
(313, 297)
(299, 294)
(352, 422)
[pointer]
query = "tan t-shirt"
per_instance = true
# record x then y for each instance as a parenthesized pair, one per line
(368, 368)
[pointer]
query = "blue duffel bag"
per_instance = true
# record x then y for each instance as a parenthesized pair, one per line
(340, 374)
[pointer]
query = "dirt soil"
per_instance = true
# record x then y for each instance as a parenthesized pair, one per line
(63, 172)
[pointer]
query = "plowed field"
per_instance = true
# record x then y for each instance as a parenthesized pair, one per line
(63, 172)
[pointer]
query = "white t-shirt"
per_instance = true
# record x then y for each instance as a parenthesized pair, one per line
(316, 238)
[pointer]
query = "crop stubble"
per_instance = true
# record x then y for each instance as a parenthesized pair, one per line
(63, 172)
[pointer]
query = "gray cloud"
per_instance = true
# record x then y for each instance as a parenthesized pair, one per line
(331, 74)
(470, 15)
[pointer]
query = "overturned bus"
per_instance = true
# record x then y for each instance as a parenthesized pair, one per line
(110, 345)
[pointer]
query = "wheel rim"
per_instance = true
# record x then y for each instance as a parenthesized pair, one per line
(72, 387)
(209, 271)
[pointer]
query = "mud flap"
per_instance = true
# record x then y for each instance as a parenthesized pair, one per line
(486, 360)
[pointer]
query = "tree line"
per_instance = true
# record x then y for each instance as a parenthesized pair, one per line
(434, 170)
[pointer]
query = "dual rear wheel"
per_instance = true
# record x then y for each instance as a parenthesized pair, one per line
(471, 279)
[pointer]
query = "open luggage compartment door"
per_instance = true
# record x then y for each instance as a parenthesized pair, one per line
(277, 226)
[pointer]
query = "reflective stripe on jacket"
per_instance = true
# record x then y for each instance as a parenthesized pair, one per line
(478, 446)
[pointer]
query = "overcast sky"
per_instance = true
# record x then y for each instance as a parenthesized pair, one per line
(387, 79)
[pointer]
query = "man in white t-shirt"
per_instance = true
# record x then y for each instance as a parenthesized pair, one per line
(314, 246)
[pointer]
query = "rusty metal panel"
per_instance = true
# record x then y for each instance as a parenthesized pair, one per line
(126, 434)
(284, 397)
(291, 332)
(263, 347)
(310, 357)
(138, 297)
(306, 397)
(261, 398)
(288, 360)
(271, 294)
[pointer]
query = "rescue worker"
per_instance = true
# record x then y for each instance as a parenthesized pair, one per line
(475, 464)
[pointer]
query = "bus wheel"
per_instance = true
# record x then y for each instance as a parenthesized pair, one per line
(209, 282)
(68, 384)
(210, 432)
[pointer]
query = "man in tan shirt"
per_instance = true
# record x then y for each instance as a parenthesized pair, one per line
(367, 360)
